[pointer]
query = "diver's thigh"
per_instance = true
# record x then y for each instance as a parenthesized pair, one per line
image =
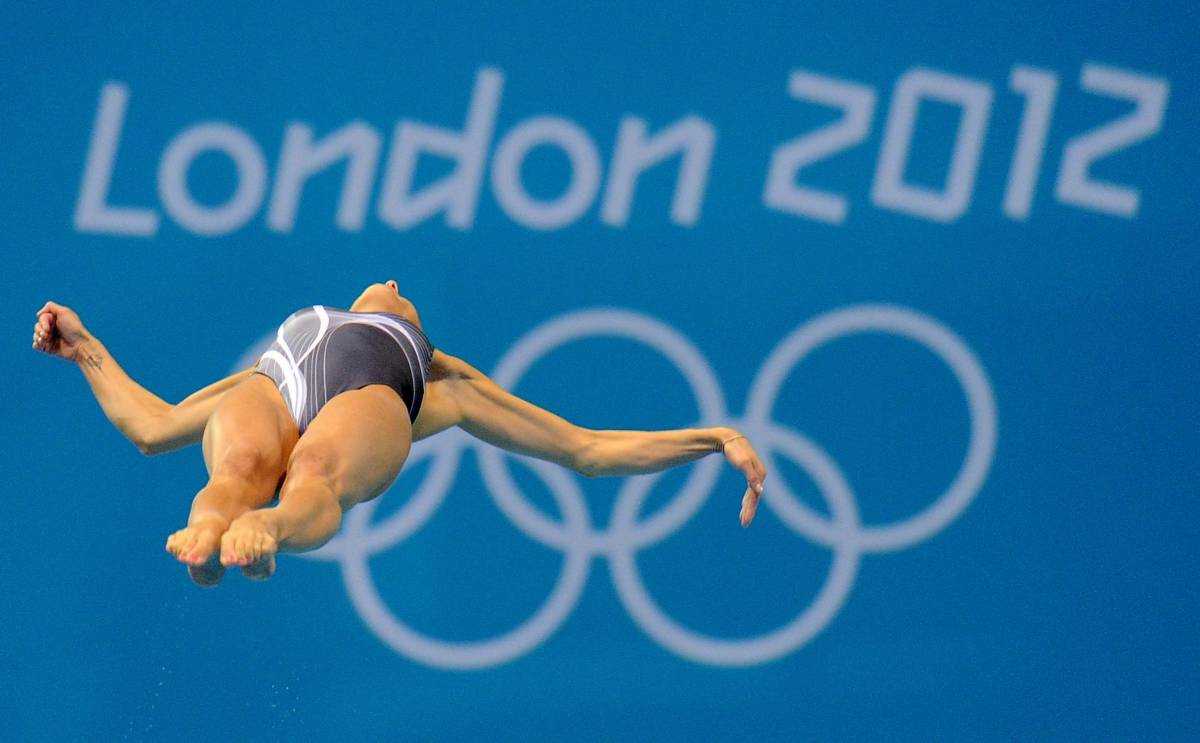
(357, 443)
(252, 422)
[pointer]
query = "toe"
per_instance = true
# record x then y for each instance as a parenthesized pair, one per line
(246, 548)
(184, 542)
(237, 548)
(201, 550)
(227, 549)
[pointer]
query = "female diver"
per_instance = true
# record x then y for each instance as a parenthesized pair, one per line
(326, 418)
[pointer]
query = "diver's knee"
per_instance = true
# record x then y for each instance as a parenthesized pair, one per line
(247, 462)
(313, 466)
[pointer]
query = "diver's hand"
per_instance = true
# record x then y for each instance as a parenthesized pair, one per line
(59, 332)
(741, 455)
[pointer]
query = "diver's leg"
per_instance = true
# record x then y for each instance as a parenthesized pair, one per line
(351, 452)
(246, 445)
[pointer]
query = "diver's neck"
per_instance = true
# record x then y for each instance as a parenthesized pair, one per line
(381, 307)
(372, 307)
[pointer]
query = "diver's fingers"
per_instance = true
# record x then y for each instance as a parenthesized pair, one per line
(749, 506)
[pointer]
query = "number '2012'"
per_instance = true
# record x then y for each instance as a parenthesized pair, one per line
(890, 190)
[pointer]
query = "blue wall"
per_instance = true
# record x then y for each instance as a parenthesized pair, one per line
(940, 263)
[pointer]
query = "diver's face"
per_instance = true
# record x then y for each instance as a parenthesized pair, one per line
(389, 289)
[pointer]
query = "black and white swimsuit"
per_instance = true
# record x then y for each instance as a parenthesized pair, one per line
(321, 351)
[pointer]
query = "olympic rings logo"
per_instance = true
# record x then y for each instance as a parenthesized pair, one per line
(627, 534)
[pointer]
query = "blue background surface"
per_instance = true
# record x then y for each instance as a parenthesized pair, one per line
(1062, 602)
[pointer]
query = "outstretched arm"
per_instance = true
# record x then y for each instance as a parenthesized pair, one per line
(151, 423)
(485, 410)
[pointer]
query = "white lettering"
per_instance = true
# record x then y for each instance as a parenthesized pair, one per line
(585, 172)
(356, 142)
(92, 211)
(692, 136)
(1150, 96)
(890, 189)
(1040, 89)
(251, 178)
(458, 193)
(858, 104)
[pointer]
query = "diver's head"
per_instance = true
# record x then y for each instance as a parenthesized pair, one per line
(386, 297)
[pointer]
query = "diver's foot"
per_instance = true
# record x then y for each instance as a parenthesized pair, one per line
(197, 544)
(250, 544)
